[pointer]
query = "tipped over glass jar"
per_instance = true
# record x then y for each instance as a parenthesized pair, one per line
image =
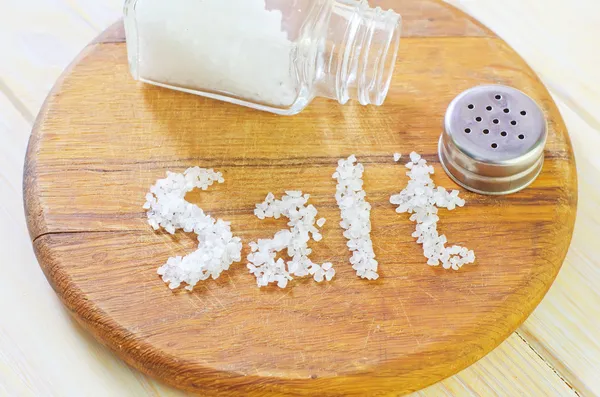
(272, 55)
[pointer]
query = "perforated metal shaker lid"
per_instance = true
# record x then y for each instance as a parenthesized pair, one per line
(494, 139)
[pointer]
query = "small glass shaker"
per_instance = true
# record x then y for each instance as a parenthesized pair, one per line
(272, 55)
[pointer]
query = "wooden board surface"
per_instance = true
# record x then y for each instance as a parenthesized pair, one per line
(102, 139)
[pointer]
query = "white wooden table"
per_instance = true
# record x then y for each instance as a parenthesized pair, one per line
(555, 353)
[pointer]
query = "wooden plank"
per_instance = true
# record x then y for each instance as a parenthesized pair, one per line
(510, 370)
(71, 170)
(98, 14)
(564, 328)
(430, 19)
(140, 337)
(556, 43)
(41, 38)
(46, 36)
(43, 351)
(471, 383)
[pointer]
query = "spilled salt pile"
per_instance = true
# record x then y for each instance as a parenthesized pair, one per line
(422, 199)
(356, 216)
(263, 261)
(167, 208)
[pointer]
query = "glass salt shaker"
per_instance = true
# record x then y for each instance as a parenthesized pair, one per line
(272, 55)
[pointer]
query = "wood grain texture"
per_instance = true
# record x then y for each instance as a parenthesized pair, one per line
(564, 328)
(102, 139)
(429, 19)
(522, 372)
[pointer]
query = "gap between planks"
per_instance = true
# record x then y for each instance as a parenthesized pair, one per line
(16, 102)
(545, 361)
(29, 117)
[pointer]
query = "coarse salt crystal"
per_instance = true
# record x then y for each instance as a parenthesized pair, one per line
(356, 211)
(263, 263)
(167, 208)
(415, 157)
(420, 198)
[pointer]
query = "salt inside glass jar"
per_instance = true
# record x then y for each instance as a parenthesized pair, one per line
(272, 55)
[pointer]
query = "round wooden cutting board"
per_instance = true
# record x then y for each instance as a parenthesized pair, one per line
(102, 139)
